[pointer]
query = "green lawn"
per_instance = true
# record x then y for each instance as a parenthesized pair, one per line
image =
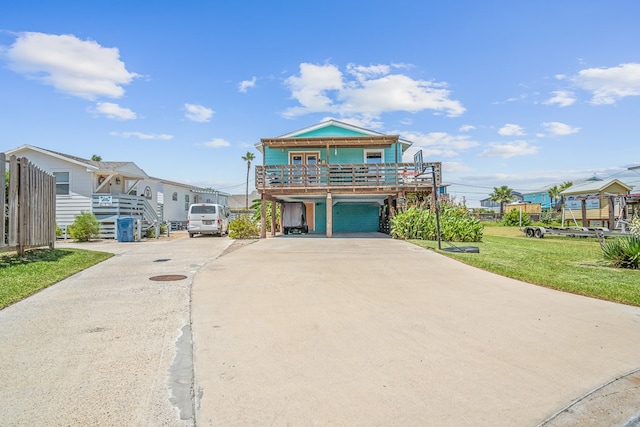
(21, 277)
(566, 263)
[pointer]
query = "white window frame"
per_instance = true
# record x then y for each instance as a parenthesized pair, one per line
(67, 183)
(376, 151)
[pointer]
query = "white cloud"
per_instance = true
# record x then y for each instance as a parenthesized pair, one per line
(466, 128)
(512, 149)
(76, 67)
(366, 91)
(198, 113)
(608, 85)
(437, 144)
(216, 143)
(140, 135)
(451, 167)
(113, 111)
(558, 128)
(511, 130)
(246, 85)
(563, 98)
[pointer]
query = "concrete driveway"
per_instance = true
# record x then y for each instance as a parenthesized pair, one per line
(361, 331)
(295, 330)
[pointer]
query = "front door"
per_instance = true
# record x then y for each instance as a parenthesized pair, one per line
(307, 172)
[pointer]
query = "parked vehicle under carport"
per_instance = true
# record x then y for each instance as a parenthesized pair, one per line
(294, 218)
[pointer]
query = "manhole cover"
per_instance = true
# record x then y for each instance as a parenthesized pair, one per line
(168, 277)
(162, 260)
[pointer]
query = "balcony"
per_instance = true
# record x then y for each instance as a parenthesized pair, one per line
(381, 178)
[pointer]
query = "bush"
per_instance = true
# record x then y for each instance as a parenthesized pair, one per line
(634, 226)
(84, 227)
(547, 217)
(457, 224)
(512, 218)
(243, 228)
(622, 252)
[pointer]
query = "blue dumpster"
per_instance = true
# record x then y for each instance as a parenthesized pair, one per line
(125, 229)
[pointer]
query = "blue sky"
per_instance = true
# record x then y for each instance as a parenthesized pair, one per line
(524, 94)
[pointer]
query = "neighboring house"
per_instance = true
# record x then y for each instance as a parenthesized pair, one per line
(237, 204)
(541, 197)
(490, 204)
(595, 203)
(174, 199)
(349, 178)
(111, 190)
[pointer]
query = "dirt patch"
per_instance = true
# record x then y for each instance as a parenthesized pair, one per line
(237, 244)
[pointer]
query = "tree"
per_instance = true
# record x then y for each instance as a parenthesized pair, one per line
(96, 158)
(554, 194)
(248, 158)
(502, 195)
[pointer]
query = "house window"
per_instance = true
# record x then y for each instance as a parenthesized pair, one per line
(174, 196)
(62, 183)
(186, 202)
(373, 156)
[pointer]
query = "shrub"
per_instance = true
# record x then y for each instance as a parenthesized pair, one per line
(150, 233)
(622, 252)
(84, 227)
(457, 224)
(243, 228)
(547, 217)
(634, 226)
(512, 218)
(163, 228)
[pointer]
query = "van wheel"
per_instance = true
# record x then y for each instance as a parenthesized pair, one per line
(286, 230)
(190, 234)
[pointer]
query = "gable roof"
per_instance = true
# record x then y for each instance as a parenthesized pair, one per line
(130, 168)
(594, 187)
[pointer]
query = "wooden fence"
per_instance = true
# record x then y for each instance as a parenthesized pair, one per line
(28, 206)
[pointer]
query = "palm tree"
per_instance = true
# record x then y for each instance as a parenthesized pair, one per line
(502, 195)
(554, 194)
(248, 158)
(96, 158)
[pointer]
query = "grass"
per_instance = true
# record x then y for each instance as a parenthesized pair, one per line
(40, 268)
(568, 264)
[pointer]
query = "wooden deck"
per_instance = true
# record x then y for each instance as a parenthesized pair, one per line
(381, 178)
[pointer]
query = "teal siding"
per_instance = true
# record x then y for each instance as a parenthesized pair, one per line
(320, 218)
(355, 217)
(278, 156)
(330, 131)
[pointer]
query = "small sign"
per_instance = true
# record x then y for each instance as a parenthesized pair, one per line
(417, 160)
(105, 201)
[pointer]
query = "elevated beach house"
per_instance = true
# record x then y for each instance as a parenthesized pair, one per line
(350, 179)
(111, 190)
(596, 203)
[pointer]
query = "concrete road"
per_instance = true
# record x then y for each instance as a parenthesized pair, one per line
(107, 346)
(301, 331)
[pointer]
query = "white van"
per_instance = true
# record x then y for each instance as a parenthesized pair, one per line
(208, 218)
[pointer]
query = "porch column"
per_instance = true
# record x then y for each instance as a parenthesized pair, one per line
(263, 219)
(585, 222)
(612, 213)
(329, 214)
(273, 217)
